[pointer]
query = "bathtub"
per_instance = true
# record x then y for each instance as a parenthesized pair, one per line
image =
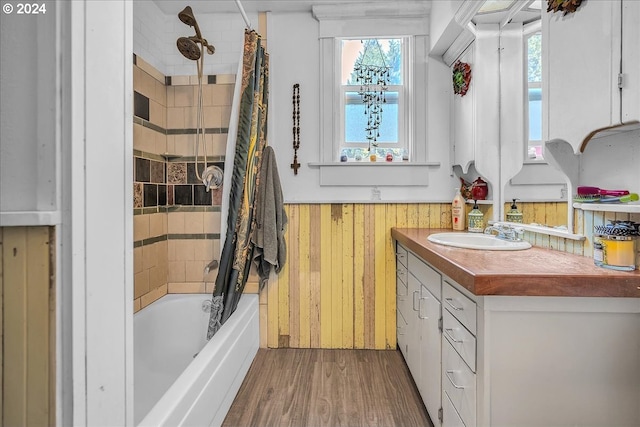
(180, 379)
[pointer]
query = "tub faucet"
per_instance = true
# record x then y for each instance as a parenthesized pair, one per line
(505, 232)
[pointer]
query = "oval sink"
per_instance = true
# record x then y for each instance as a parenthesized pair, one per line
(485, 242)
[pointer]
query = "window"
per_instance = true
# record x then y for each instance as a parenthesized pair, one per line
(359, 135)
(533, 106)
(403, 129)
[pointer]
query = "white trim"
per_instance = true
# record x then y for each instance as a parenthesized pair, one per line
(29, 218)
(351, 11)
(344, 21)
(372, 173)
(96, 252)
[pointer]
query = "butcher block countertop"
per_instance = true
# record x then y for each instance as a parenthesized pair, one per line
(531, 272)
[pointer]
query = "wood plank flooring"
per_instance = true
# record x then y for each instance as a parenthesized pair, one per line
(322, 387)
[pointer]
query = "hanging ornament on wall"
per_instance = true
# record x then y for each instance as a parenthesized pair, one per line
(373, 80)
(566, 6)
(461, 78)
(296, 127)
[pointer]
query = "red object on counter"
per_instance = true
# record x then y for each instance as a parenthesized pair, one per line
(479, 189)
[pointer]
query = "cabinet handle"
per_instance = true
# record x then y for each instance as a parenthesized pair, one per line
(448, 374)
(448, 332)
(400, 255)
(420, 308)
(450, 302)
(414, 300)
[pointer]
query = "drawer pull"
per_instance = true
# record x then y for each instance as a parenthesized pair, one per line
(455, 307)
(414, 300)
(400, 255)
(448, 332)
(449, 375)
(420, 308)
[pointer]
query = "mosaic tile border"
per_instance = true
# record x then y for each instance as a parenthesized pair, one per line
(166, 237)
(185, 131)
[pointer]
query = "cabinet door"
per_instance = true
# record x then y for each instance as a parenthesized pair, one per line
(429, 382)
(413, 327)
(581, 59)
(631, 60)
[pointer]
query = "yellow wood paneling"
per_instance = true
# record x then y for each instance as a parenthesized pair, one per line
(337, 265)
(28, 346)
(314, 267)
(337, 288)
(293, 331)
(326, 301)
(347, 276)
(358, 276)
(304, 274)
(380, 276)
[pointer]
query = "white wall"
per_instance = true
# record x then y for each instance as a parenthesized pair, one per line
(28, 181)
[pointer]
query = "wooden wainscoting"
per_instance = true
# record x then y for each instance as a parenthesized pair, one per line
(337, 288)
(27, 322)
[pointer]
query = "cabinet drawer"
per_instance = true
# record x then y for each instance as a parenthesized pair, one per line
(401, 254)
(450, 417)
(462, 308)
(426, 275)
(402, 328)
(460, 339)
(402, 276)
(459, 383)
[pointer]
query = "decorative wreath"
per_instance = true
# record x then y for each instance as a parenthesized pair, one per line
(566, 6)
(461, 78)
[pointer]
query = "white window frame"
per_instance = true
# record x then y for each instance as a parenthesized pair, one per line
(528, 31)
(374, 20)
(404, 90)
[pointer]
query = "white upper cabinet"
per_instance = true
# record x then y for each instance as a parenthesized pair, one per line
(591, 69)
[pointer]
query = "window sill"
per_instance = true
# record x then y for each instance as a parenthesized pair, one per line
(374, 173)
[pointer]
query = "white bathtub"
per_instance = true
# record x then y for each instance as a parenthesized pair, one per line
(171, 386)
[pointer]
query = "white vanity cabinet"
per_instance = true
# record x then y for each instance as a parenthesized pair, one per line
(519, 360)
(584, 87)
(420, 342)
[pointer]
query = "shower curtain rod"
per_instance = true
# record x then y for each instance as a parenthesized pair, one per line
(244, 15)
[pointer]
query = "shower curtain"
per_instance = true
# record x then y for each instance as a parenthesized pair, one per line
(237, 251)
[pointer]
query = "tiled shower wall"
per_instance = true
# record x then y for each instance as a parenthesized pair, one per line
(176, 222)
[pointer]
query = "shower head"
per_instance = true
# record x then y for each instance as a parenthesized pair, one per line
(188, 18)
(188, 48)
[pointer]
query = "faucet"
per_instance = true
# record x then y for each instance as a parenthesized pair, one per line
(505, 232)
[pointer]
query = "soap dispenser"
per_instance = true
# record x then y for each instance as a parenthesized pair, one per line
(514, 215)
(476, 219)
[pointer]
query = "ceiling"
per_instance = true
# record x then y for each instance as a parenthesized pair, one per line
(171, 7)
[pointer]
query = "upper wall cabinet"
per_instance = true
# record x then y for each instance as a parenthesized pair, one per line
(592, 72)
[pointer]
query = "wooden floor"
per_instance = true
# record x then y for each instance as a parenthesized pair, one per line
(319, 387)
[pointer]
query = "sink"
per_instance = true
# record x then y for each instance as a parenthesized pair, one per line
(485, 242)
